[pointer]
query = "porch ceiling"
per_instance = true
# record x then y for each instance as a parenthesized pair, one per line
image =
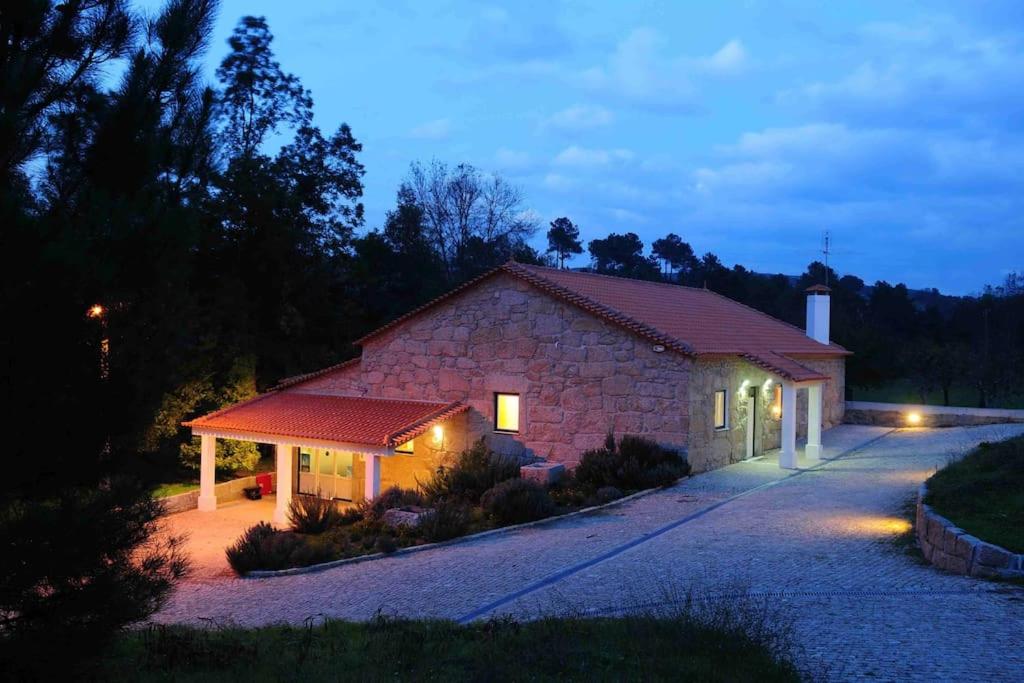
(346, 419)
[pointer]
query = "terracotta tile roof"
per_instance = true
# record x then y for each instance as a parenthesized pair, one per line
(368, 421)
(686, 319)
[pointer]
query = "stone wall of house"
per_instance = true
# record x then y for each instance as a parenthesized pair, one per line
(577, 375)
(408, 471)
(344, 381)
(710, 447)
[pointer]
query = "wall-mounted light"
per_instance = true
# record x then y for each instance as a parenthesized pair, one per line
(913, 418)
(658, 348)
(438, 433)
(776, 410)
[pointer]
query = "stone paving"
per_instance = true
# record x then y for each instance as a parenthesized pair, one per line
(818, 546)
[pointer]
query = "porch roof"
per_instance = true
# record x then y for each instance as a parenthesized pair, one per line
(345, 419)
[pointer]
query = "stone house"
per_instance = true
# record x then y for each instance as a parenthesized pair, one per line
(543, 363)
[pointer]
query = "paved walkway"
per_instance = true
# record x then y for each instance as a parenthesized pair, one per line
(817, 545)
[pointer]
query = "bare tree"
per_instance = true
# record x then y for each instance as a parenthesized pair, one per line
(464, 207)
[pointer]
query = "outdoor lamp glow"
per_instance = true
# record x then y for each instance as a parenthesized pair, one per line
(914, 418)
(438, 433)
(96, 311)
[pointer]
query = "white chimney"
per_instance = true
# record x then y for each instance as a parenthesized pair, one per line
(818, 312)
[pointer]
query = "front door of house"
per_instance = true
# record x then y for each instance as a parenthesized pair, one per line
(326, 473)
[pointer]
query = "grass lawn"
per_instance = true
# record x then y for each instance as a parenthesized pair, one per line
(632, 648)
(903, 391)
(173, 489)
(984, 493)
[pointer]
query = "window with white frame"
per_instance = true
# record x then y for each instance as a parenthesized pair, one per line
(721, 409)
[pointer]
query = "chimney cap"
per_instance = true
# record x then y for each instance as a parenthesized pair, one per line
(818, 289)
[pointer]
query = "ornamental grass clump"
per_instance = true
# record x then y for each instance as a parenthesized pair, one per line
(312, 514)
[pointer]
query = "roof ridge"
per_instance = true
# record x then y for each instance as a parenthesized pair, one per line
(452, 408)
(225, 409)
(609, 276)
(588, 304)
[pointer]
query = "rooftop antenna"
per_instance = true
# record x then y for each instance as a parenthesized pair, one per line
(825, 249)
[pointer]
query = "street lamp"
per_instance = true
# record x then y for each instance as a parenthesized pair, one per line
(98, 312)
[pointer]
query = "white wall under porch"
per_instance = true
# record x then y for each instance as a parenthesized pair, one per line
(286, 466)
(812, 451)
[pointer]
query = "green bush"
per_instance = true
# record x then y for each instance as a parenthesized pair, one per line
(388, 499)
(450, 519)
(247, 553)
(632, 464)
(476, 470)
(232, 455)
(607, 494)
(515, 501)
(312, 514)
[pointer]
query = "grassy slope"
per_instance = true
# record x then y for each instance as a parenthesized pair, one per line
(550, 649)
(984, 493)
(902, 391)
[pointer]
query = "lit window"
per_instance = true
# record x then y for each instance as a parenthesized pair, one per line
(506, 412)
(405, 447)
(721, 411)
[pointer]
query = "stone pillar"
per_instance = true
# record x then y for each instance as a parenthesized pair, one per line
(372, 488)
(285, 468)
(813, 450)
(787, 455)
(207, 472)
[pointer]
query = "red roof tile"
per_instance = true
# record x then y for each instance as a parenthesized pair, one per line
(686, 319)
(369, 421)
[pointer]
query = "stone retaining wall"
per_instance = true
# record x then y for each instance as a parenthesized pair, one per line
(229, 490)
(895, 415)
(951, 548)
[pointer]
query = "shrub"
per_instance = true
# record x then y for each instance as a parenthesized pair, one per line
(476, 470)
(631, 464)
(390, 498)
(247, 553)
(386, 545)
(263, 547)
(517, 500)
(607, 494)
(231, 455)
(312, 514)
(449, 519)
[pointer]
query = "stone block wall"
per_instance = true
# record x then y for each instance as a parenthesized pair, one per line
(228, 490)
(710, 447)
(577, 375)
(952, 549)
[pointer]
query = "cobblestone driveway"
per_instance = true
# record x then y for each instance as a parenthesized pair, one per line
(817, 543)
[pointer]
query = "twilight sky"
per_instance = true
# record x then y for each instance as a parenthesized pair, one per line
(746, 127)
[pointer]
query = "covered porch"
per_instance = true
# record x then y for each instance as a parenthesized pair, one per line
(333, 446)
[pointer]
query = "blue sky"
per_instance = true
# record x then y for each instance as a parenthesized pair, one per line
(746, 127)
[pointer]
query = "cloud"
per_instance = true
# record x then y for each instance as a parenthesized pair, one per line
(582, 157)
(638, 71)
(730, 59)
(579, 117)
(438, 129)
(558, 182)
(511, 159)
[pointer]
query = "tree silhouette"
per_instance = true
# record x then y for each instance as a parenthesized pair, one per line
(563, 240)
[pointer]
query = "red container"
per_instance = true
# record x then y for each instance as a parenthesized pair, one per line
(265, 482)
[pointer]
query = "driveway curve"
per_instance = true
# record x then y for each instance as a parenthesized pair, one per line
(817, 544)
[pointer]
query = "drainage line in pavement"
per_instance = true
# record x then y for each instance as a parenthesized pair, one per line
(655, 604)
(618, 550)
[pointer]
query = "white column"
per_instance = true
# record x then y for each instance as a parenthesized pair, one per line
(207, 472)
(284, 483)
(372, 488)
(787, 456)
(813, 450)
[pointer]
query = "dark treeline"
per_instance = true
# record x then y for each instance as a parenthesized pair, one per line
(174, 245)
